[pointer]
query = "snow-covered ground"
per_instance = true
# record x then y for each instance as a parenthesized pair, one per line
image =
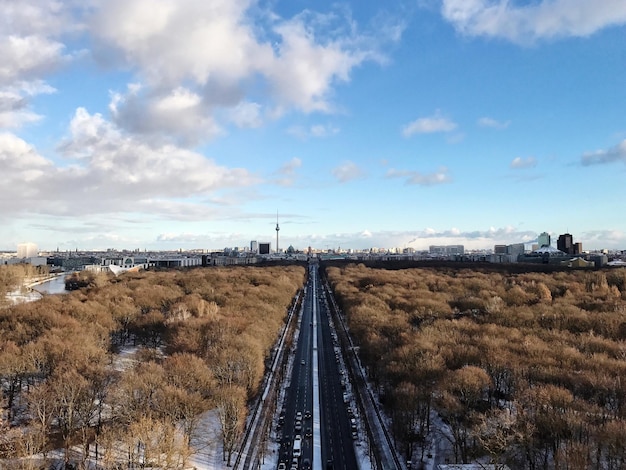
(31, 291)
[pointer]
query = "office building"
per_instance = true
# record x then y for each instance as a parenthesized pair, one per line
(565, 243)
(543, 239)
(27, 250)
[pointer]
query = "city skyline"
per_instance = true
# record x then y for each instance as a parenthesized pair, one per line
(187, 124)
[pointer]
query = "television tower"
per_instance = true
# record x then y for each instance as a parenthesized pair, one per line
(277, 229)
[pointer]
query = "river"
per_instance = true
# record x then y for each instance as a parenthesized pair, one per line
(53, 286)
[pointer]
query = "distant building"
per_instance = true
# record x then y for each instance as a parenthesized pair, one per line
(578, 248)
(578, 263)
(599, 259)
(27, 250)
(543, 239)
(254, 246)
(507, 253)
(545, 255)
(264, 248)
(515, 249)
(565, 243)
(446, 250)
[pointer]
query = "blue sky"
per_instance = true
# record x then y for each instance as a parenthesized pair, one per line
(167, 124)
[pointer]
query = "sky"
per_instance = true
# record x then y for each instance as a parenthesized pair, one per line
(196, 124)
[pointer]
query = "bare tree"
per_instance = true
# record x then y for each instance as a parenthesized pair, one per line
(231, 407)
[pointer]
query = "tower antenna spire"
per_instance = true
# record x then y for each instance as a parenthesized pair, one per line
(277, 229)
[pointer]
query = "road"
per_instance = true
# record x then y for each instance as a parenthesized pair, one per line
(315, 407)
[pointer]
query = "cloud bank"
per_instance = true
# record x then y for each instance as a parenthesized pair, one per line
(521, 22)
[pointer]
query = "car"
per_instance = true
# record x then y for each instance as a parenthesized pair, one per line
(308, 432)
(306, 464)
(297, 438)
(302, 362)
(307, 414)
(282, 466)
(298, 426)
(299, 416)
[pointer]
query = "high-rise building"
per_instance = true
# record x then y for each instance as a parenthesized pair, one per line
(565, 243)
(277, 230)
(27, 250)
(254, 246)
(543, 239)
(264, 248)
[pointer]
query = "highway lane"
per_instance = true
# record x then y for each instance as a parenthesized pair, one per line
(299, 395)
(337, 438)
(325, 429)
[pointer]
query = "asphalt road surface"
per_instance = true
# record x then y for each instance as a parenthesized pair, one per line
(316, 407)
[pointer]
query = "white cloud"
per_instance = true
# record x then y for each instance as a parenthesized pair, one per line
(612, 155)
(314, 131)
(522, 163)
(175, 44)
(30, 49)
(421, 179)
(27, 57)
(321, 130)
(428, 125)
(287, 174)
(347, 171)
(477, 239)
(538, 20)
(304, 70)
(604, 238)
(179, 112)
(29, 38)
(246, 115)
(418, 239)
(21, 166)
(493, 123)
(14, 110)
(106, 169)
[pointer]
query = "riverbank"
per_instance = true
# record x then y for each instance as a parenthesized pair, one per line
(36, 289)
